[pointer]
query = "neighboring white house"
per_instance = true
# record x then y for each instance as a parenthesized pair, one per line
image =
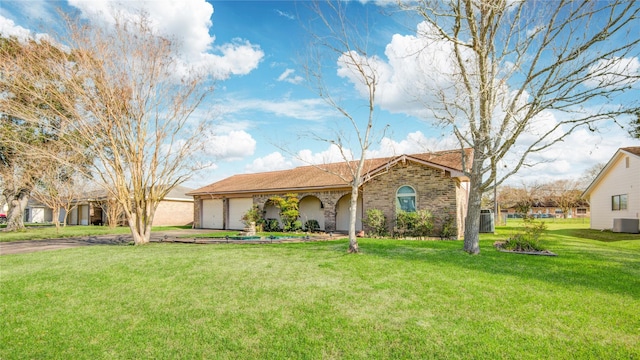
(614, 195)
(175, 209)
(36, 212)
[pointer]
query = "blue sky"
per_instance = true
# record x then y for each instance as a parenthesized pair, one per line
(263, 103)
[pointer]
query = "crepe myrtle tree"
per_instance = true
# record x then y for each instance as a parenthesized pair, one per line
(509, 66)
(32, 128)
(129, 98)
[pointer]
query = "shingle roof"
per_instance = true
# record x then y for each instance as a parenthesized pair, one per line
(177, 193)
(324, 176)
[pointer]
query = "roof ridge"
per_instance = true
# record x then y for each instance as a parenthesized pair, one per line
(335, 173)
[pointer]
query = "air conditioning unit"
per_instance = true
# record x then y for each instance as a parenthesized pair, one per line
(631, 226)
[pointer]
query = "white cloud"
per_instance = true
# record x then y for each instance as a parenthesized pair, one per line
(331, 155)
(415, 143)
(285, 14)
(417, 68)
(9, 28)
(614, 72)
(288, 76)
(570, 158)
(234, 145)
(271, 162)
(188, 22)
(238, 58)
(304, 109)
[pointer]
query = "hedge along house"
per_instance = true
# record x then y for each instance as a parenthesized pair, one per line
(432, 181)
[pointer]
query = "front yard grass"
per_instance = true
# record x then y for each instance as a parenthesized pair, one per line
(42, 232)
(395, 300)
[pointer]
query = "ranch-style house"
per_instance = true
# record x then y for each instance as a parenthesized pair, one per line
(433, 181)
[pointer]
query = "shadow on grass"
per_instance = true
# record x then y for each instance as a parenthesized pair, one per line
(599, 235)
(607, 269)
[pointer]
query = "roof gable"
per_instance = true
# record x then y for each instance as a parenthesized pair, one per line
(631, 151)
(334, 175)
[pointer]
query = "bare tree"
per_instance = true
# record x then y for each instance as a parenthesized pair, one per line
(564, 194)
(335, 35)
(113, 211)
(59, 188)
(521, 198)
(590, 174)
(634, 125)
(132, 103)
(513, 62)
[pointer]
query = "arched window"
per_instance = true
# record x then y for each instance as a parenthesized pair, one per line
(406, 199)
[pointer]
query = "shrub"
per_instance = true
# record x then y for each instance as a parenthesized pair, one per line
(289, 212)
(271, 225)
(530, 239)
(376, 222)
(416, 223)
(423, 223)
(311, 226)
(521, 242)
(253, 215)
(294, 226)
(405, 223)
(448, 230)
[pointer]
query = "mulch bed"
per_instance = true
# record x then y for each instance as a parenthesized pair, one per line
(499, 246)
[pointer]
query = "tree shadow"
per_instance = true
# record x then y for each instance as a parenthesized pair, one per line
(611, 270)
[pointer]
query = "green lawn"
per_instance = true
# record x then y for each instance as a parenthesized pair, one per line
(398, 299)
(40, 232)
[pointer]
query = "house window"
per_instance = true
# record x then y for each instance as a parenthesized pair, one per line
(582, 211)
(619, 202)
(406, 199)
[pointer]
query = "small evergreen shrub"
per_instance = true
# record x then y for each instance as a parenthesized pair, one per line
(293, 226)
(405, 223)
(312, 226)
(414, 224)
(376, 222)
(271, 225)
(423, 226)
(448, 230)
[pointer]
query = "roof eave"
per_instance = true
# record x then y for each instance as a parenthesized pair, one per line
(275, 190)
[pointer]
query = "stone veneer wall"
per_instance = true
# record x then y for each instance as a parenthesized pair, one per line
(329, 200)
(435, 191)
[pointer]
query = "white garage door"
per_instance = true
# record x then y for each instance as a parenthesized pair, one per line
(83, 212)
(237, 208)
(212, 214)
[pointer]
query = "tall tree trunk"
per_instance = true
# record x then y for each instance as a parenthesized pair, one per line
(65, 218)
(56, 217)
(353, 210)
(472, 223)
(140, 221)
(17, 203)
